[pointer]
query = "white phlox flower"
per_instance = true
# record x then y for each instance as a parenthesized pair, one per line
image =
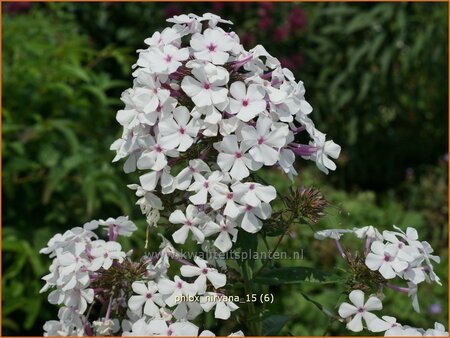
(360, 310)
(204, 273)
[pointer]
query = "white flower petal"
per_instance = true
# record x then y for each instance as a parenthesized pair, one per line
(357, 298)
(355, 324)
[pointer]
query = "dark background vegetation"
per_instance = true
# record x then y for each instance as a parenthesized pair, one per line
(376, 75)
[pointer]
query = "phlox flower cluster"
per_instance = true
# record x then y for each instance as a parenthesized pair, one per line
(202, 117)
(392, 255)
(79, 257)
(83, 272)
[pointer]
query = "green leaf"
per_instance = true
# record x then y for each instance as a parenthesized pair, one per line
(249, 246)
(32, 309)
(356, 56)
(359, 22)
(66, 127)
(365, 86)
(375, 45)
(16, 267)
(293, 275)
(273, 324)
(321, 307)
(386, 60)
(77, 72)
(34, 260)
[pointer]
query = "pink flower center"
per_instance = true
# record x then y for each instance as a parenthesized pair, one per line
(387, 258)
(238, 154)
(361, 310)
(181, 130)
(261, 140)
(105, 255)
(158, 148)
(230, 195)
(251, 187)
(204, 271)
(191, 168)
(179, 285)
(248, 208)
(170, 332)
(168, 58)
(206, 86)
(245, 102)
(212, 47)
(148, 295)
(206, 184)
(188, 223)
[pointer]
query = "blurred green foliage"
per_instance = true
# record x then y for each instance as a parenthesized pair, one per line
(376, 75)
(57, 118)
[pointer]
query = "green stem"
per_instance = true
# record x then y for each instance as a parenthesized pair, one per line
(270, 259)
(265, 241)
(253, 325)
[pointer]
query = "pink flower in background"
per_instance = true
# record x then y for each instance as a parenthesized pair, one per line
(265, 16)
(286, 62)
(17, 7)
(281, 33)
(297, 18)
(218, 6)
(268, 6)
(295, 61)
(239, 7)
(298, 59)
(248, 39)
(172, 10)
(265, 22)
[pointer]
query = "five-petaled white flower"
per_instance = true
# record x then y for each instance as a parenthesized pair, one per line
(163, 61)
(207, 88)
(385, 258)
(227, 230)
(325, 150)
(265, 140)
(190, 221)
(104, 253)
(233, 158)
(360, 310)
(178, 131)
(253, 193)
(173, 290)
(223, 307)
(251, 217)
(184, 178)
(204, 273)
(246, 103)
(222, 196)
(204, 185)
(148, 297)
(213, 45)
